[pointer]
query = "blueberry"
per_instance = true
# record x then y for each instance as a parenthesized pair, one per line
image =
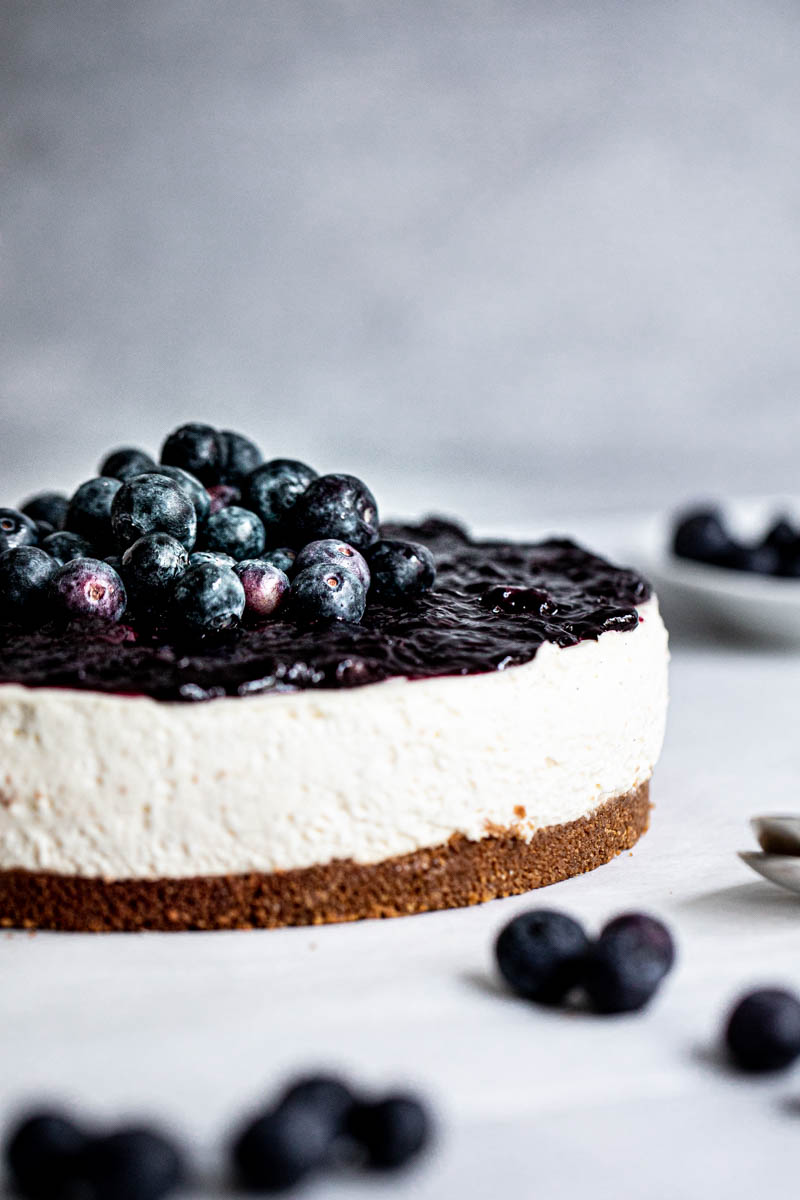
(153, 504)
(240, 456)
(208, 599)
(89, 512)
(280, 1148)
(150, 568)
(326, 1095)
(191, 486)
(16, 529)
(25, 574)
(327, 593)
(392, 1131)
(130, 1164)
(47, 506)
(87, 587)
(127, 461)
(339, 554)
(282, 557)
(337, 506)
(211, 556)
(41, 1154)
(540, 955)
(400, 570)
(223, 495)
(637, 932)
(701, 535)
(235, 531)
(763, 1030)
(65, 546)
(195, 448)
(264, 586)
(43, 530)
(273, 489)
(627, 963)
(115, 561)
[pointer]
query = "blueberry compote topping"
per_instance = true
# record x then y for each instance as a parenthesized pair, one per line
(492, 605)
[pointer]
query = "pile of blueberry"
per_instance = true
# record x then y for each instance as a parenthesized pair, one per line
(208, 537)
(318, 1122)
(547, 957)
(702, 535)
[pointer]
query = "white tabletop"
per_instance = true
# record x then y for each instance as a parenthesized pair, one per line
(194, 1028)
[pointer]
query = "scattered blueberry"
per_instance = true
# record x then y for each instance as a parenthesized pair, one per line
(540, 955)
(282, 557)
(223, 495)
(273, 489)
(763, 1030)
(391, 1131)
(264, 586)
(624, 967)
(211, 556)
(195, 448)
(280, 1148)
(702, 535)
(25, 575)
(42, 1152)
(87, 587)
(235, 531)
(192, 487)
(400, 570)
(327, 593)
(47, 506)
(329, 550)
(327, 1095)
(150, 568)
(240, 456)
(127, 461)
(65, 546)
(208, 599)
(16, 529)
(129, 1164)
(153, 504)
(337, 506)
(89, 512)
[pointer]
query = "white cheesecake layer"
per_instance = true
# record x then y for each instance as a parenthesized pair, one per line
(128, 787)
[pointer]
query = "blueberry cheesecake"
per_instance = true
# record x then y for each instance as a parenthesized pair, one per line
(230, 697)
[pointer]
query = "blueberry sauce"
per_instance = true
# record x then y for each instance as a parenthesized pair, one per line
(494, 603)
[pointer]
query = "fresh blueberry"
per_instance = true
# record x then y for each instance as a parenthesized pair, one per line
(282, 557)
(223, 495)
(127, 461)
(235, 531)
(637, 933)
(400, 570)
(195, 448)
(326, 1095)
(87, 587)
(339, 554)
(208, 599)
(211, 556)
(41, 1154)
(625, 966)
(193, 488)
(391, 1131)
(150, 568)
(702, 535)
(47, 506)
(280, 1148)
(763, 1030)
(89, 512)
(130, 1164)
(240, 456)
(540, 955)
(327, 593)
(264, 586)
(25, 574)
(337, 506)
(273, 489)
(153, 504)
(65, 546)
(16, 529)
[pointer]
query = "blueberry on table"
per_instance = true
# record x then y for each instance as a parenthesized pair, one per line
(240, 456)
(763, 1030)
(400, 570)
(130, 1164)
(625, 966)
(282, 557)
(191, 486)
(42, 1153)
(273, 489)
(47, 506)
(329, 550)
(25, 575)
(701, 535)
(327, 593)
(391, 1131)
(127, 461)
(89, 512)
(150, 568)
(639, 932)
(337, 506)
(211, 556)
(264, 586)
(540, 955)
(153, 504)
(64, 546)
(235, 531)
(207, 599)
(195, 448)
(280, 1148)
(16, 529)
(327, 1096)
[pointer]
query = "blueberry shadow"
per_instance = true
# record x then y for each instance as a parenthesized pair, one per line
(483, 982)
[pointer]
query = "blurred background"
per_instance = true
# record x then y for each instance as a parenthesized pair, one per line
(513, 259)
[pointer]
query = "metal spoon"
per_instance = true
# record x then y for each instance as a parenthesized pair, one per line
(778, 834)
(783, 869)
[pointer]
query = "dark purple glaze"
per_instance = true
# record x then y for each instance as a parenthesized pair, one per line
(493, 605)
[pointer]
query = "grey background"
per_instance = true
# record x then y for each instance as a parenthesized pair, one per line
(514, 258)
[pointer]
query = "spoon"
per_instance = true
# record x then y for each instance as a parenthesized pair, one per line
(778, 834)
(783, 869)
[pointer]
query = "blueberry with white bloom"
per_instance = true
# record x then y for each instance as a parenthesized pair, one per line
(211, 556)
(401, 571)
(282, 557)
(208, 599)
(127, 461)
(150, 568)
(189, 484)
(153, 504)
(240, 456)
(264, 586)
(195, 448)
(336, 506)
(88, 587)
(16, 529)
(340, 554)
(25, 574)
(324, 592)
(47, 506)
(65, 546)
(273, 489)
(89, 512)
(235, 531)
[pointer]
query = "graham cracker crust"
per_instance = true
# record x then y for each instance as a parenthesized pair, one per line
(453, 875)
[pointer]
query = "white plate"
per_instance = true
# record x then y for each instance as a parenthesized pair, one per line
(759, 606)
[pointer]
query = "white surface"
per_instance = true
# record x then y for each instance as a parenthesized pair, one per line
(533, 1103)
